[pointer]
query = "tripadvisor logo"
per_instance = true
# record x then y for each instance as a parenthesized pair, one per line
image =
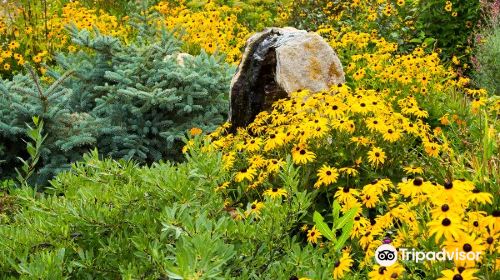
(387, 255)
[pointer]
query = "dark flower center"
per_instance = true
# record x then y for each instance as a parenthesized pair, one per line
(467, 247)
(302, 152)
(458, 277)
(382, 270)
(476, 191)
(496, 213)
(313, 233)
(362, 104)
(254, 206)
(275, 189)
(489, 240)
(445, 207)
(446, 222)
(357, 218)
(418, 181)
(448, 185)
(337, 263)
(377, 154)
(272, 136)
(335, 107)
(476, 224)
(390, 131)
(394, 275)
(345, 189)
(328, 173)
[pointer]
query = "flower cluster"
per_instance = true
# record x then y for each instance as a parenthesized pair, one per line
(35, 40)
(214, 28)
(369, 144)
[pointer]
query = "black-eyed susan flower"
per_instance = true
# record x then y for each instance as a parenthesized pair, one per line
(376, 156)
(350, 171)
(245, 174)
(254, 208)
(432, 149)
(326, 176)
(274, 165)
(413, 170)
(466, 243)
(346, 193)
(415, 187)
(394, 271)
(301, 155)
(253, 144)
(449, 227)
(480, 197)
(274, 140)
(275, 192)
(313, 235)
(459, 273)
(342, 266)
(445, 210)
(391, 134)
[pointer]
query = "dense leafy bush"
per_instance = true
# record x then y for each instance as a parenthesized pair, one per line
(487, 72)
(108, 219)
(134, 101)
(451, 24)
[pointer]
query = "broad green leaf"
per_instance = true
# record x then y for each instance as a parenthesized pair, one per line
(348, 216)
(322, 226)
(335, 210)
(346, 232)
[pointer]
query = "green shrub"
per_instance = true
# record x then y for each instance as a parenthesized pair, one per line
(112, 219)
(135, 101)
(451, 24)
(487, 72)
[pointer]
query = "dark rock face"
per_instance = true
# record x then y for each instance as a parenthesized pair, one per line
(277, 62)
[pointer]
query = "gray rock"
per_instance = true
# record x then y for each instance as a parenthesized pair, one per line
(277, 62)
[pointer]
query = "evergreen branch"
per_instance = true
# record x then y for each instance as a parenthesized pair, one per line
(59, 81)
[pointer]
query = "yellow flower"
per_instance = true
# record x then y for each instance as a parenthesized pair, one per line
(376, 156)
(313, 235)
(449, 227)
(275, 192)
(254, 208)
(413, 170)
(459, 273)
(301, 155)
(327, 175)
(342, 266)
(245, 174)
(195, 131)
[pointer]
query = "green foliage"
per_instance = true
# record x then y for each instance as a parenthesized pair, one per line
(135, 101)
(344, 224)
(36, 136)
(450, 23)
(487, 72)
(22, 98)
(112, 219)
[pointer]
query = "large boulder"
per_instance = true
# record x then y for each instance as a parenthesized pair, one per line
(277, 62)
